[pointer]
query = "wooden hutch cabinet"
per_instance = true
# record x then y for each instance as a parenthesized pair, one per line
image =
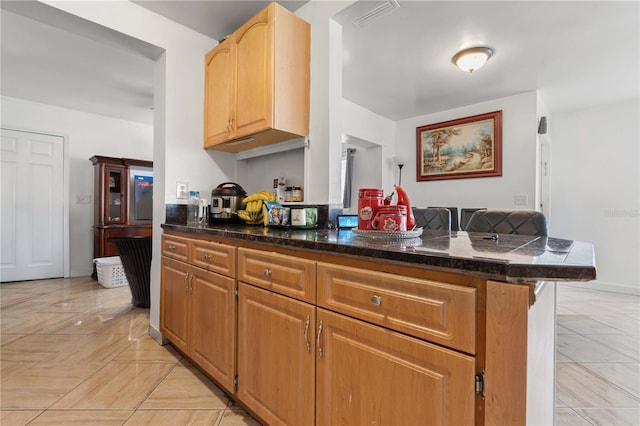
(123, 203)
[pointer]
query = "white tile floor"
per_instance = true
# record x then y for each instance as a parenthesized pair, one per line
(75, 353)
(597, 358)
(59, 338)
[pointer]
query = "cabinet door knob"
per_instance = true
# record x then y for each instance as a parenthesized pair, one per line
(267, 272)
(376, 300)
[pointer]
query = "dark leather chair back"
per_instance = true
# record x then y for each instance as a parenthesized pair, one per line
(465, 215)
(508, 222)
(454, 216)
(434, 218)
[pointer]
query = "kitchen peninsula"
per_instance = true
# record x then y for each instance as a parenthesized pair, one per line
(324, 327)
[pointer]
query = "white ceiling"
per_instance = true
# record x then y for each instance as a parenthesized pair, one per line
(214, 18)
(52, 57)
(577, 54)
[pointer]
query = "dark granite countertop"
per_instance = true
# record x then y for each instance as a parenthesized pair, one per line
(512, 258)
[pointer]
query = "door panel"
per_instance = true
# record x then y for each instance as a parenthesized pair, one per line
(174, 302)
(370, 375)
(213, 328)
(254, 73)
(276, 356)
(219, 93)
(32, 206)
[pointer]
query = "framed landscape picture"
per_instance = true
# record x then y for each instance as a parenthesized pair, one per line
(463, 148)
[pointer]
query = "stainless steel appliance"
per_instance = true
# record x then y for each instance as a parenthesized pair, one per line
(226, 200)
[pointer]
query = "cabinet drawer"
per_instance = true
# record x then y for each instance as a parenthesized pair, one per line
(215, 257)
(434, 311)
(287, 275)
(175, 247)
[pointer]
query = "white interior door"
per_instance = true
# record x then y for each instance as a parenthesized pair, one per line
(31, 206)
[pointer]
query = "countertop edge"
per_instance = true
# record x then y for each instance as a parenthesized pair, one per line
(492, 269)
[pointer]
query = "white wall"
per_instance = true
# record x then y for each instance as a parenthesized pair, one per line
(323, 157)
(543, 180)
(87, 135)
(262, 170)
(179, 109)
(519, 136)
(595, 188)
(373, 165)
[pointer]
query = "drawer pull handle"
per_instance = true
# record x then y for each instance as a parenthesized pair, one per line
(267, 273)
(207, 257)
(376, 300)
(318, 339)
(306, 335)
(171, 247)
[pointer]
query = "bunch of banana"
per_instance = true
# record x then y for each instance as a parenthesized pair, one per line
(255, 210)
(263, 195)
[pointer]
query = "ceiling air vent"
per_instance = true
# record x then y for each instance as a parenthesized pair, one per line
(376, 12)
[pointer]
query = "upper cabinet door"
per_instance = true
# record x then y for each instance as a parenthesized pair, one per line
(219, 106)
(262, 71)
(254, 73)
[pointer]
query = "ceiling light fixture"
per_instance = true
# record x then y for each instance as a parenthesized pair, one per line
(472, 59)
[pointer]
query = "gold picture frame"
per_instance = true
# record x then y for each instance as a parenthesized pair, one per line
(467, 147)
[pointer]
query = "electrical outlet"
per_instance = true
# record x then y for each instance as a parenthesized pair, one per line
(521, 200)
(182, 190)
(83, 199)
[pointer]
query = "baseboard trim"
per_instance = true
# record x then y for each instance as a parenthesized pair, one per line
(597, 285)
(157, 336)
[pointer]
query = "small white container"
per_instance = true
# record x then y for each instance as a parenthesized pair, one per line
(110, 272)
(298, 217)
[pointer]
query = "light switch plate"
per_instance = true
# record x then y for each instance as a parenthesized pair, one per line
(83, 199)
(520, 200)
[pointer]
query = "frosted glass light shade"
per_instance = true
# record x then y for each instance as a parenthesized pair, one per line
(471, 59)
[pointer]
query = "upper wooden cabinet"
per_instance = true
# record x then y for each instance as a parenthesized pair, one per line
(257, 83)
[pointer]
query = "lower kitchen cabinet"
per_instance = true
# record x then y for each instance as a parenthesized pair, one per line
(318, 339)
(174, 302)
(198, 314)
(276, 356)
(213, 318)
(367, 375)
